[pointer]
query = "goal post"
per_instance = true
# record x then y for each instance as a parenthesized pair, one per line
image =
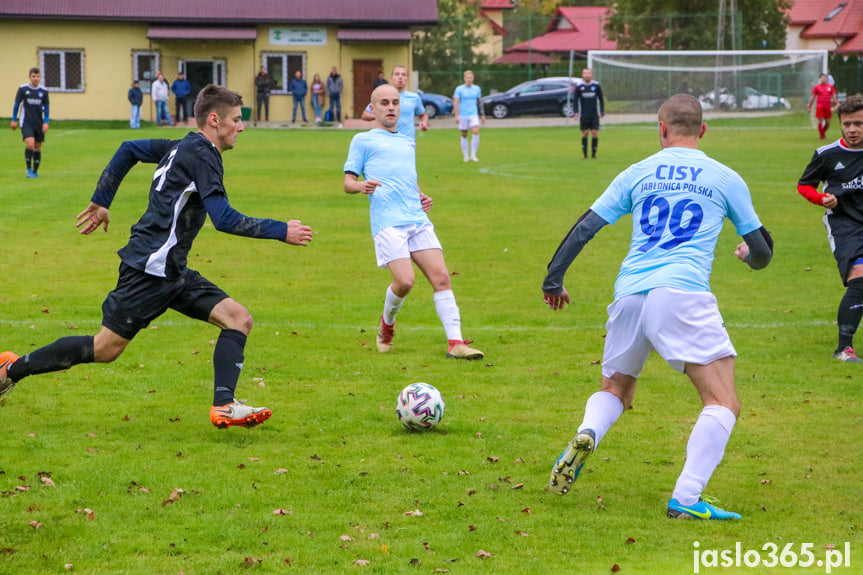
(638, 81)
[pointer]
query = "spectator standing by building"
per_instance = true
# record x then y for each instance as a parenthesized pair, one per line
(182, 89)
(589, 108)
(159, 91)
(335, 87)
(264, 84)
(32, 100)
(136, 98)
(298, 89)
(318, 91)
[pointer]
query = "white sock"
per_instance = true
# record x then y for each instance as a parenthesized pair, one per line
(392, 305)
(474, 145)
(447, 311)
(464, 146)
(704, 452)
(600, 412)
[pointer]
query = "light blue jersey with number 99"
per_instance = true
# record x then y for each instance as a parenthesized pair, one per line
(679, 199)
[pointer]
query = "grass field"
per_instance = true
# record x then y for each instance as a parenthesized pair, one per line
(89, 458)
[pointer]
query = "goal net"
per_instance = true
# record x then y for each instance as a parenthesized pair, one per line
(636, 81)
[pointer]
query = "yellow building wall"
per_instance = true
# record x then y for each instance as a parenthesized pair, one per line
(108, 65)
(492, 44)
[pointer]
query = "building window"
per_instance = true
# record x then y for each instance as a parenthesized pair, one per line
(62, 70)
(281, 68)
(144, 68)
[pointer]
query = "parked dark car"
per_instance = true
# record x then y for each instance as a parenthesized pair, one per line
(436, 105)
(543, 96)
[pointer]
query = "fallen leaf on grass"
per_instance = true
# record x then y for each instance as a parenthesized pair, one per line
(482, 554)
(252, 560)
(361, 562)
(615, 568)
(48, 482)
(415, 513)
(282, 512)
(522, 533)
(174, 496)
(630, 540)
(22, 488)
(68, 566)
(518, 486)
(493, 459)
(35, 524)
(281, 470)
(88, 513)
(346, 538)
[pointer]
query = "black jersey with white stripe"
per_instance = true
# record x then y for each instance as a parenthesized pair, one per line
(589, 100)
(187, 186)
(841, 170)
(33, 103)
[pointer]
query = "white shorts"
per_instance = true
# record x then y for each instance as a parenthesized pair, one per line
(683, 327)
(398, 242)
(467, 122)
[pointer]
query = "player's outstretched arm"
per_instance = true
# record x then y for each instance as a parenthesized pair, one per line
(554, 294)
(92, 218)
(756, 249)
(556, 301)
(124, 159)
(298, 234)
(353, 185)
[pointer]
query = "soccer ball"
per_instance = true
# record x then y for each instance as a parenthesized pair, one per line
(420, 406)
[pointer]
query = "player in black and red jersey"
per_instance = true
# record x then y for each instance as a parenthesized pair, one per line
(32, 101)
(840, 167)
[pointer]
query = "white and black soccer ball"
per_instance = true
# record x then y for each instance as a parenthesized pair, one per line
(420, 406)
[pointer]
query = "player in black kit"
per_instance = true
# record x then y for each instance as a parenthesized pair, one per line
(187, 187)
(840, 166)
(589, 108)
(32, 100)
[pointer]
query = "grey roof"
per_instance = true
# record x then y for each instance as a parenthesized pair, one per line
(222, 12)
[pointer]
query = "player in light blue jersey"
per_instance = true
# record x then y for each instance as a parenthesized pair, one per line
(469, 114)
(410, 105)
(678, 199)
(402, 231)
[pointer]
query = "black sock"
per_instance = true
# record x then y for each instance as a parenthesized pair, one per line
(850, 312)
(594, 144)
(584, 145)
(37, 159)
(227, 364)
(28, 157)
(62, 354)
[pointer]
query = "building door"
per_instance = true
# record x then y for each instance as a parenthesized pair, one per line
(365, 74)
(199, 73)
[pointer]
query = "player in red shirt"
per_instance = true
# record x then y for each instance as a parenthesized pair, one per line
(825, 94)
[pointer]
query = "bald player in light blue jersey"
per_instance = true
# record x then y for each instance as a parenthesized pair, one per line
(402, 232)
(678, 199)
(410, 105)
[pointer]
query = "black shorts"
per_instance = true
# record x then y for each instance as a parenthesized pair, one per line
(589, 122)
(139, 298)
(846, 240)
(32, 131)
